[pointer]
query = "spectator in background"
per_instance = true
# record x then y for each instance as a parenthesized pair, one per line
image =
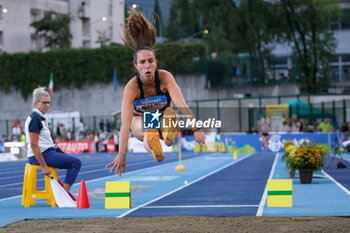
(89, 135)
(116, 140)
(17, 130)
(3, 138)
(58, 132)
(295, 125)
(325, 127)
(69, 135)
(63, 131)
(23, 138)
(344, 129)
(102, 125)
(285, 127)
(108, 126)
(80, 131)
(104, 137)
(238, 73)
(97, 141)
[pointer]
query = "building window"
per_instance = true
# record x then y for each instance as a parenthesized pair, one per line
(85, 2)
(86, 44)
(37, 43)
(1, 13)
(110, 8)
(345, 19)
(1, 38)
(86, 27)
(111, 30)
(35, 14)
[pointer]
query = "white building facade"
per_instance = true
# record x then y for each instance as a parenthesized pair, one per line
(91, 21)
(341, 60)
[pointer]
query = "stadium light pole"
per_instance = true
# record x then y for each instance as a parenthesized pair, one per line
(205, 31)
(98, 20)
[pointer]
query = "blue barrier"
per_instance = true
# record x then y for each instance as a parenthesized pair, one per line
(250, 143)
(2, 147)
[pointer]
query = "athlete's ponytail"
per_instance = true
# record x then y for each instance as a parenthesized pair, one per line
(139, 33)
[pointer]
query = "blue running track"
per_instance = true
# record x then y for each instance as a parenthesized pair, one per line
(213, 184)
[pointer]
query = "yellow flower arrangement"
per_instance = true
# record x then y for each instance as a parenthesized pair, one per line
(309, 155)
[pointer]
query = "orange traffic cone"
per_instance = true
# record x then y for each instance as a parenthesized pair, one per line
(83, 199)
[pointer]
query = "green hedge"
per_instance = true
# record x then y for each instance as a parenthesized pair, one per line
(77, 67)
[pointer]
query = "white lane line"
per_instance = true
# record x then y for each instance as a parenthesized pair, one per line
(336, 182)
(264, 197)
(41, 179)
(184, 186)
(101, 178)
(198, 206)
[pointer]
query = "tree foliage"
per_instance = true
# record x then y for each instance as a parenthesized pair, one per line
(157, 15)
(255, 27)
(309, 22)
(78, 67)
(54, 29)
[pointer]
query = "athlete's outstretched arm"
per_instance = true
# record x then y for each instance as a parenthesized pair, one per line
(180, 103)
(119, 163)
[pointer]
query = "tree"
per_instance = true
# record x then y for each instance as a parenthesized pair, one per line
(157, 15)
(309, 22)
(219, 20)
(54, 29)
(258, 27)
(181, 20)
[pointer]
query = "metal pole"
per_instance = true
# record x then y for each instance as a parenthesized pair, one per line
(240, 115)
(7, 128)
(322, 109)
(344, 110)
(333, 111)
(260, 107)
(311, 115)
(94, 120)
(218, 110)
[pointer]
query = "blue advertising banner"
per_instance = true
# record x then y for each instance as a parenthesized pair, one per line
(251, 143)
(2, 147)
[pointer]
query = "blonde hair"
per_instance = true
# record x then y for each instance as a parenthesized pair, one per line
(139, 33)
(38, 93)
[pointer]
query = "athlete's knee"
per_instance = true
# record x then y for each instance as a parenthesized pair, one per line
(77, 163)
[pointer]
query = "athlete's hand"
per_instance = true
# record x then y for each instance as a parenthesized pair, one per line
(199, 136)
(46, 171)
(119, 164)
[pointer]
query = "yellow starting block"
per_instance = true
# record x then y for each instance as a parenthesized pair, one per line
(222, 147)
(118, 195)
(279, 193)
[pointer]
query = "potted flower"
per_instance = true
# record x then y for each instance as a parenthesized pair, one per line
(307, 158)
(289, 150)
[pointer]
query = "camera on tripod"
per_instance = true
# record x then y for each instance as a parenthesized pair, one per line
(346, 145)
